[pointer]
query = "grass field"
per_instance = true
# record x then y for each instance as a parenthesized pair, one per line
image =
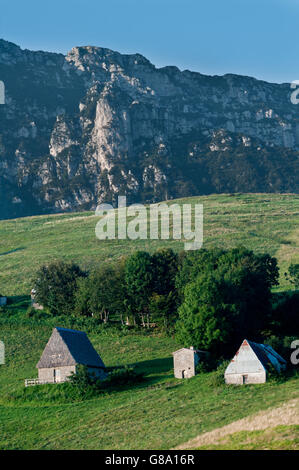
(262, 222)
(278, 438)
(159, 413)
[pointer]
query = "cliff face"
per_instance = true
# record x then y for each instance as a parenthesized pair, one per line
(80, 129)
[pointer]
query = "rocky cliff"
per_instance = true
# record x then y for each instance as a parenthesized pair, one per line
(80, 129)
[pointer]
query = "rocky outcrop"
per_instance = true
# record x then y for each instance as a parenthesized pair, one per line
(83, 128)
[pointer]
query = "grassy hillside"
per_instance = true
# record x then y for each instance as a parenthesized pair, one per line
(278, 438)
(263, 222)
(159, 413)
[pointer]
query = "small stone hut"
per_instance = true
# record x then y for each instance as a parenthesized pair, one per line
(251, 364)
(3, 301)
(65, 350)
(185, 361)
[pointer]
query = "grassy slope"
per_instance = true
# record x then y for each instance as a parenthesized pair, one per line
(159, 413)
(278, 438)
(263, 222)
(162, 412)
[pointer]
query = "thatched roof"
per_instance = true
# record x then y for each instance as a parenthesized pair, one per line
(69, 347)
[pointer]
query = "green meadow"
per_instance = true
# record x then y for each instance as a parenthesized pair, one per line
(277, 438)
(160, 412)
(262, 222)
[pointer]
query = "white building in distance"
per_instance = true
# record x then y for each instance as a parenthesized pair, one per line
(251, 363)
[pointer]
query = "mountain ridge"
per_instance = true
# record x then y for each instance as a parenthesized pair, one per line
(85, 127)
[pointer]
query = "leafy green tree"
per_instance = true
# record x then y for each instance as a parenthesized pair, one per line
(293, 275)
(55, 286)
(164, 300)
(228, 301)
(163, 309)
(102, 293)
(83, 294)
(165, 265)
(195, 262)
(204, 316)
(139, 282)
(192, 263)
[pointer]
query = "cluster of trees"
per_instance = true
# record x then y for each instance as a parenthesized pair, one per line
(211, 299)
(227, 297)
(138, 290)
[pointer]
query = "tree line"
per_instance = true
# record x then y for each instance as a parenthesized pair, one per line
(211, 299)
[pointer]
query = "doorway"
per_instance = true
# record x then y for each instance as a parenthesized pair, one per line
(56, 375)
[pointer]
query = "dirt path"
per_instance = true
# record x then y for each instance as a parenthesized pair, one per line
(286, 414)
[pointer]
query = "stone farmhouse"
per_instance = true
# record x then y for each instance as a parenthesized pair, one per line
(251, 364)
(65, 350)
(185, 361)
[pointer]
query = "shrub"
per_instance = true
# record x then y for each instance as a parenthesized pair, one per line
(216, 379)
(206, 364)
(36, 313)
(82, 378)
(88, 383)
(123, 376)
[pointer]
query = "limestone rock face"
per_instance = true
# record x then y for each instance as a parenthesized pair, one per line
(84, 128)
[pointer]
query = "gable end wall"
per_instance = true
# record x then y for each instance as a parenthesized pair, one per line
(252, 378)
(184, 361)
(47, 374)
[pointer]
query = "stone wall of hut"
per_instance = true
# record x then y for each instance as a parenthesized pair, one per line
(184, 363)
(55, 374)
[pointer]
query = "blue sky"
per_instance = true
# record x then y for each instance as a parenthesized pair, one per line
(259, 38)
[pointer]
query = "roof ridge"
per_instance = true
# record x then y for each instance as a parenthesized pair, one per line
(67, 345)
(69, 329)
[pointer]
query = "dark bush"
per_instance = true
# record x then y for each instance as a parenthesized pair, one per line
(123, 376)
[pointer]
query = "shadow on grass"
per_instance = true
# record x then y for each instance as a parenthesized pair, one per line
(17, 303)
(21, 248)
(154, 371)
(155, 366)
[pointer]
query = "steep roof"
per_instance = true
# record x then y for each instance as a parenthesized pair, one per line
(254, 357)
(69, 347)
(267, 355)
